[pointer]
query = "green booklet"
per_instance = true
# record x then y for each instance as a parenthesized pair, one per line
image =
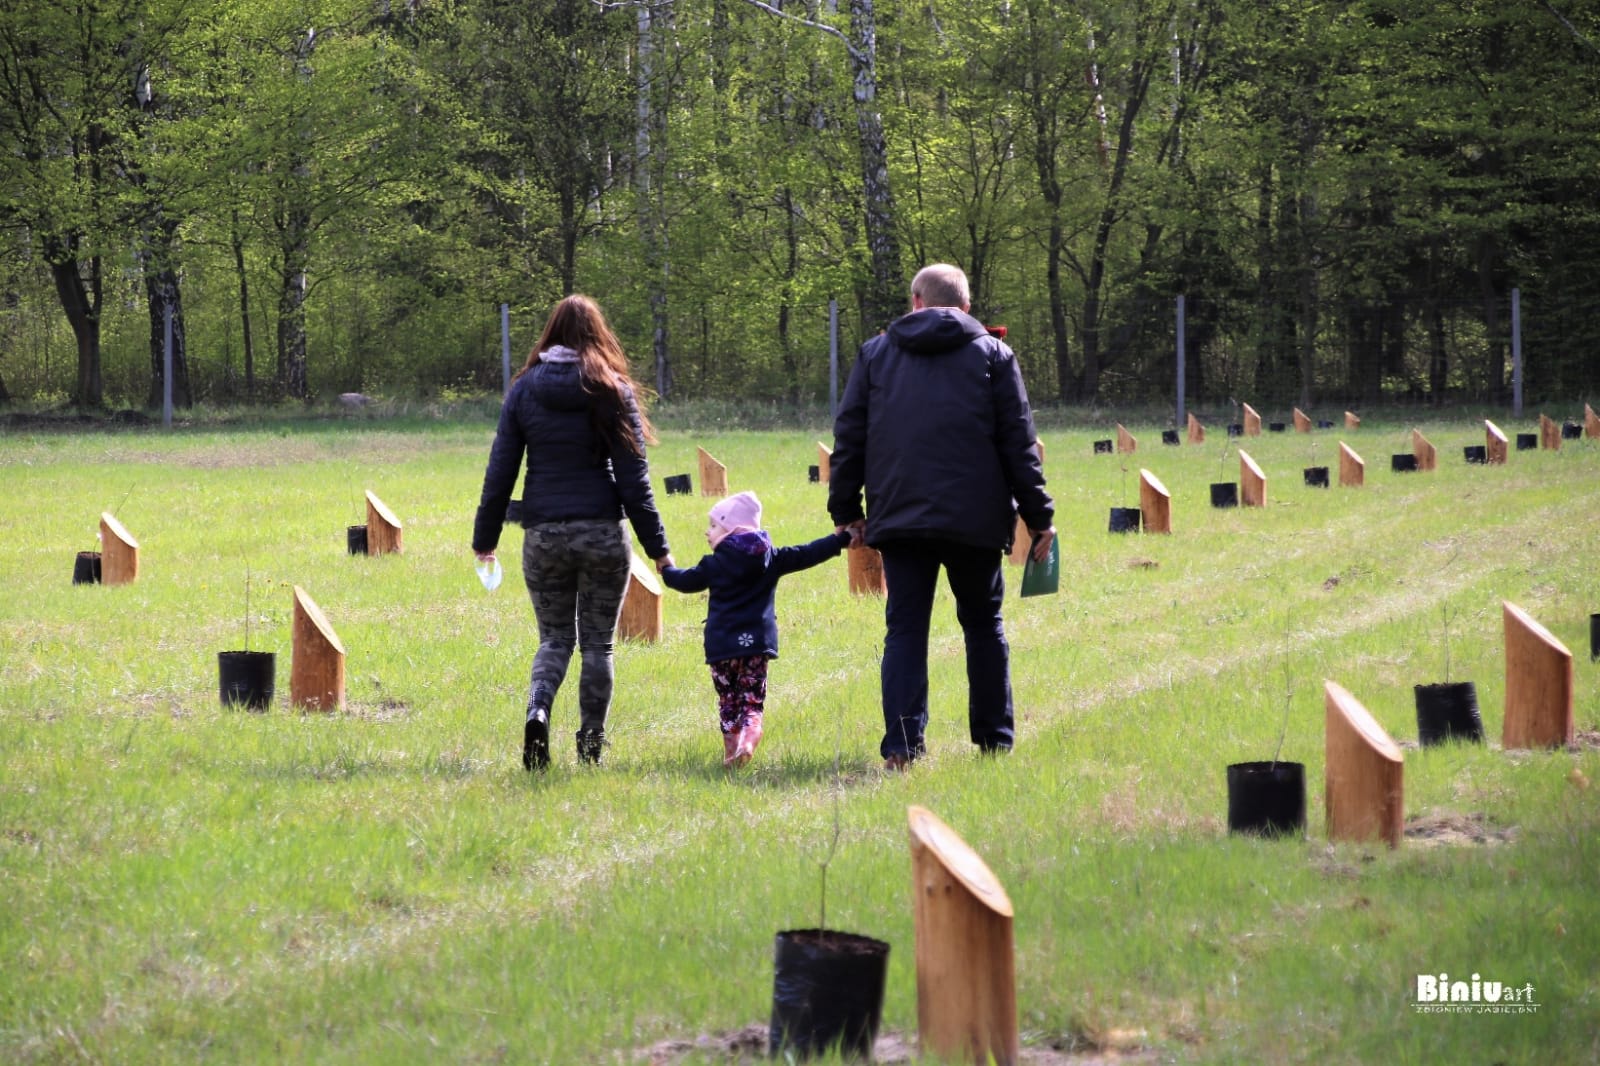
(1043, 579)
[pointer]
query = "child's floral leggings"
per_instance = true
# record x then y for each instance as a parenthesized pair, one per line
(741, 690)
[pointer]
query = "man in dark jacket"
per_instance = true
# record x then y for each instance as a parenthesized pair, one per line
(935, 427)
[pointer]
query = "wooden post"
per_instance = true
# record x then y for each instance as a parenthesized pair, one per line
(1155, 504)
(1252, 482)
(1302, 424)
(316, 670)
(1538, 685)
(1494, 443)
(1549, 434)
(119, 552)
(1252, 422)
(866, 571)
(1427, 456)
(383, 528)
(713, 475)
(1126, 442)
(1197, 432)
(1365, 771)
(1022, 539)
(1591, 422)
(824, 461)
(1352, 470)
(641, 617)
(965, 950)
(1351, 420)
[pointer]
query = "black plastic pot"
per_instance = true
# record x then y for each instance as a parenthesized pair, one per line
(1448, 711)
(1527, 442)
(1267, 798)
(678, 485)
(1224, 494)
(1571, 431)
(86, 569)
(1169, 436)
(814, 473)
(1235, 429)
(827, 992)
(1104, 447)
(1125, 519)
(246, 678)
(1316, 477)
(1323, 423)
(1403, 463)
(1476, 453)
(355, 540)
(1276, 427)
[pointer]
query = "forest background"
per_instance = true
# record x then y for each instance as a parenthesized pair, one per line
(339, 195)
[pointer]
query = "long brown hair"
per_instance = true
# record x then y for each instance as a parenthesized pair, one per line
(578, 323)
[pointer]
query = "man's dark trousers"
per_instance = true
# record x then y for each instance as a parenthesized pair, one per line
(911, 570)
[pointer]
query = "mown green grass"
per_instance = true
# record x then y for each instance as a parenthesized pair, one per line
(186, 882)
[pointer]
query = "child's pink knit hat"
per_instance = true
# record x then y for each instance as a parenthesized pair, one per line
(740, 511)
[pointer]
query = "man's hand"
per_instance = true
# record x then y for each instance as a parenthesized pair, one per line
(484, 557)
(1041, 543)
(663, 562)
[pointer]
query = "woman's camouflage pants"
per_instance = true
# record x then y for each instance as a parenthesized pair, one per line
(577, 573)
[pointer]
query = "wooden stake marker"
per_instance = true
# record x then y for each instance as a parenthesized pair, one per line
(1197, 432)
(1494, 443)
(866, 571)
(1427, 456)
(1538, 685)
(1022, 539)
(119, 552)
(965, 949)
(1155, 504)
(1302, 424)
(1365, 787)
(383, 528)
(1126, 443)
(824, 461)
(641, 617)
(1591, 422)
(1352, 470)
(1352, 420)
(1252, 482)
(1252, 422)
(1549, 434)
(713, 475)
(316, 670)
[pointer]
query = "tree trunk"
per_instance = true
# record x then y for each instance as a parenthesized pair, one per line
(292, 325)
(885, 300)
(650, 149)
(237, 241)
(81, 302)
(162, 292)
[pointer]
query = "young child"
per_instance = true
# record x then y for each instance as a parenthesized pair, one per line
(742, 575)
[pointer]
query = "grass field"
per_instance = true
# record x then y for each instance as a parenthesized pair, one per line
(184, 882)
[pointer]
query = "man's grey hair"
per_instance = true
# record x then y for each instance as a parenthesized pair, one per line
(942, 285)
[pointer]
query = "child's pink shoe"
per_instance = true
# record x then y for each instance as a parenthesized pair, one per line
(749, 737)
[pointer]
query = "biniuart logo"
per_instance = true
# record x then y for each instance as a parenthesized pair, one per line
(1437, 994)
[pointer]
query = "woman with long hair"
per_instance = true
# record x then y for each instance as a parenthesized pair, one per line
(575, 411)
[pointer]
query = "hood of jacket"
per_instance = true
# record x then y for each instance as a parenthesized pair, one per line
(935, 330)
(746, 550)
(557, 383)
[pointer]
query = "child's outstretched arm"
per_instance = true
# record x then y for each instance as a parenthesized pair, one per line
(696, 578)
(804, 556)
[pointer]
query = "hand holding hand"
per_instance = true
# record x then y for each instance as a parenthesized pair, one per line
(663, 562)
(857, 531)
(1041, 544)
